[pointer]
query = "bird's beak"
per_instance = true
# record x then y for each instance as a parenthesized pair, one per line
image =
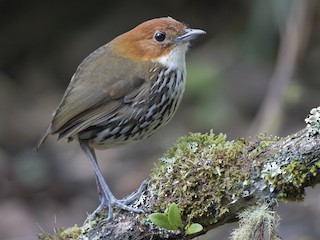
(188, 35)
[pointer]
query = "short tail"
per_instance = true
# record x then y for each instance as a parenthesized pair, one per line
(42, 139)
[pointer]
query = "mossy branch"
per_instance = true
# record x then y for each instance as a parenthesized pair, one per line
(213, 180)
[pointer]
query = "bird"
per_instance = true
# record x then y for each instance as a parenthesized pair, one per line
(123, 92)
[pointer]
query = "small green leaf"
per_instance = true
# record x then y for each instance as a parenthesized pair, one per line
(161, 220)
(174, 216)
(194, 228)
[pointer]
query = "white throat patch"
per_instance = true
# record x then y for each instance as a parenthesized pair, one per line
(175, 59)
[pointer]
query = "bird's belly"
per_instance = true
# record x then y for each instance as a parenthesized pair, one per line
(143, 119)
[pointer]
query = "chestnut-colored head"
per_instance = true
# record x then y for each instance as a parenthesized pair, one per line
(154, 39)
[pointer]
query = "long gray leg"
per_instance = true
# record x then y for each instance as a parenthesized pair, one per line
(107, 199)
(97, 181)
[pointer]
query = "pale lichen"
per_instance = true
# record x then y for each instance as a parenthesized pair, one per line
(287, 170)
(313, 121)
(256, 222)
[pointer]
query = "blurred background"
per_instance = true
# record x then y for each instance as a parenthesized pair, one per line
(256, 70)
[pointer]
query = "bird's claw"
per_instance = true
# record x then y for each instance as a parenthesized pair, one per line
(111, 202)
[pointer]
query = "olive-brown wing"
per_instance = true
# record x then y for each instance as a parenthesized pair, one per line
(99, 88)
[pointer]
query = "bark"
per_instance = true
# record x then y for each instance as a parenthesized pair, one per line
(213, 180)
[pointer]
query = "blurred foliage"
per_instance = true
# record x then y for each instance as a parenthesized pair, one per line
(205, 88)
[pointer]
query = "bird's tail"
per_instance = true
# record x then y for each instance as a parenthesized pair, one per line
(42, 139)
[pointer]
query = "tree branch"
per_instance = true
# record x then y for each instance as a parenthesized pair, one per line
(213, 180)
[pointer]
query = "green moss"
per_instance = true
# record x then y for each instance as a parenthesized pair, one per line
(71, 233)
(204, 174)
(67, 234)
(260, 144)
(291, 178)
(197, 173)
(314, 171)
(48, 236)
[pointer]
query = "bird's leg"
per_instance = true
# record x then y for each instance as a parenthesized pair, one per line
(99, 190)
(103, 190)
(107, 199)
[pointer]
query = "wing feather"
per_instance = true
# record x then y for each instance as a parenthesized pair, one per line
(98, 90)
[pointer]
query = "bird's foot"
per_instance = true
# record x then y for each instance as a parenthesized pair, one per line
(108, 201)
(133, 196)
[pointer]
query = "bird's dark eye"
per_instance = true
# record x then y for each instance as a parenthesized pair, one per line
(160, 37)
